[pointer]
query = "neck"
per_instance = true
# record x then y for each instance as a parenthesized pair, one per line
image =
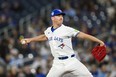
(56, 26)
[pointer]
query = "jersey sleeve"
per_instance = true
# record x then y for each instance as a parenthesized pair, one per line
(73, 32)
(46, 32)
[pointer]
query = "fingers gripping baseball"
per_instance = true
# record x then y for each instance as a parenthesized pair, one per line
(25, 41)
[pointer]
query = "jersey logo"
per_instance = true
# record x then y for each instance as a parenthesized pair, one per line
(48, 32)
(61, 45)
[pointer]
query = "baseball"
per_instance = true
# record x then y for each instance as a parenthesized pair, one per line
(23, 42)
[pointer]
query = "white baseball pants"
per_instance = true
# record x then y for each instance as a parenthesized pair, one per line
(70, 65)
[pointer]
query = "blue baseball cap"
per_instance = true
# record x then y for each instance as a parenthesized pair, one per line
(56, 12)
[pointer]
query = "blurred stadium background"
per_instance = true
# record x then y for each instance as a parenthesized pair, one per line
(30, 18)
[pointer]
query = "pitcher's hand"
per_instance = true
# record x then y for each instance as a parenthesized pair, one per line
(25, 41)
(102, 44)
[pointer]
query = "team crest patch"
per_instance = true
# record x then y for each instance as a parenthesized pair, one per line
(48, 32)
(61, 45)
(76, 30)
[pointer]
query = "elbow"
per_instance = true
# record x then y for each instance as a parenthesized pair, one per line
(81, 35)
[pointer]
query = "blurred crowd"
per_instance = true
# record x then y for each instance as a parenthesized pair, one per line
(95, 17)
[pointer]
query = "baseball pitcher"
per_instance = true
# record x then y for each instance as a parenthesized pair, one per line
(59, 37)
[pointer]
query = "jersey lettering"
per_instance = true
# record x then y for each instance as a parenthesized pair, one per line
(56, 39)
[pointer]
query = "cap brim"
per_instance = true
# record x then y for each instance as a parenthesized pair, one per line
(61, 14)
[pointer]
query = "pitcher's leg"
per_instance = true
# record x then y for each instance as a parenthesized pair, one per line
(78, 69)
(81, 70)
(55, 72)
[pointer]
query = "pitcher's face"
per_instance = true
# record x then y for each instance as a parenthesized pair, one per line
(57, 19)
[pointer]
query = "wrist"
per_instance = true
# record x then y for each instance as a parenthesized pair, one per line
(101, 43)
(30, 39)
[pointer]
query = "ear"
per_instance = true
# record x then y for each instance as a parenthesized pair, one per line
(52, 18)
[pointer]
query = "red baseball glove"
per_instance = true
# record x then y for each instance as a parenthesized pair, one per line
(99, 52)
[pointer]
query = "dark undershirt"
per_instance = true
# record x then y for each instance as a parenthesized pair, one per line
(52, 29)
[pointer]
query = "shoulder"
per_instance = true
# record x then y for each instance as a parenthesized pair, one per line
(65, 27)
(48, 29)
(68, 28)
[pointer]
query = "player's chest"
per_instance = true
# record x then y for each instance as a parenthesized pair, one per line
(57, 36)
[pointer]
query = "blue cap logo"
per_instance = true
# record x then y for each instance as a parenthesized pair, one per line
(56, 12)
